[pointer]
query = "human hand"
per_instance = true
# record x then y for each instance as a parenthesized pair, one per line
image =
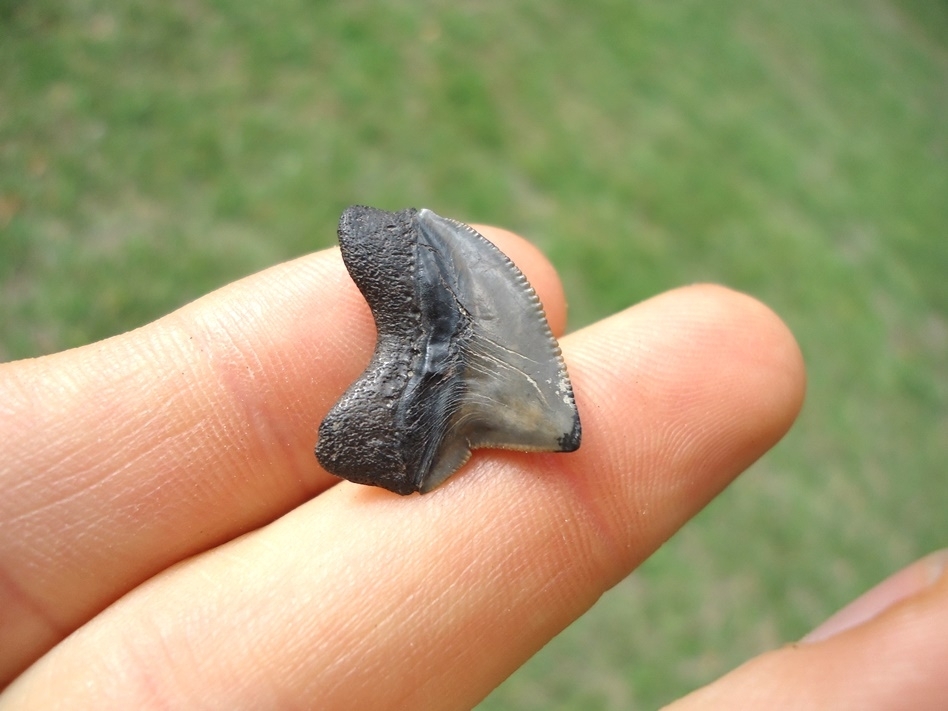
(166, 532)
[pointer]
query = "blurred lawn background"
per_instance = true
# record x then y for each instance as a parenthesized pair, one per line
(152, 151)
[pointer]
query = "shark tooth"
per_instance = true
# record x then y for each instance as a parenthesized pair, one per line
(464, 359)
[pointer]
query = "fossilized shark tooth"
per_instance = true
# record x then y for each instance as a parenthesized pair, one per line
(465, 357)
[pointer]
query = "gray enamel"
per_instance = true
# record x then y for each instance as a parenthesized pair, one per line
(464, 359)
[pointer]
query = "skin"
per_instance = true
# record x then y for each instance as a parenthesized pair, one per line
(167, 539)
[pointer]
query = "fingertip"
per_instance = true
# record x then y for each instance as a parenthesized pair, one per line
(701, 340)
(894, 658)
(757, 338)
(909, 581)
(678, 395)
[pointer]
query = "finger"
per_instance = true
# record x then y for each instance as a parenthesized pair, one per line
(361, 599)
(905, 583)
(872, 659)
(126, 456)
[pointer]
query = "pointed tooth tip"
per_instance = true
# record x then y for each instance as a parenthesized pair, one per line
(570, 441)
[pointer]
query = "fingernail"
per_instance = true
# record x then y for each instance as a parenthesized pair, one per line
(907, 582)
(936, 565)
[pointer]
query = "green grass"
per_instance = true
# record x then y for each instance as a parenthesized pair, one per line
(150, 152)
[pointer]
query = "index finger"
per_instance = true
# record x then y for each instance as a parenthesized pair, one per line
(126, 456)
